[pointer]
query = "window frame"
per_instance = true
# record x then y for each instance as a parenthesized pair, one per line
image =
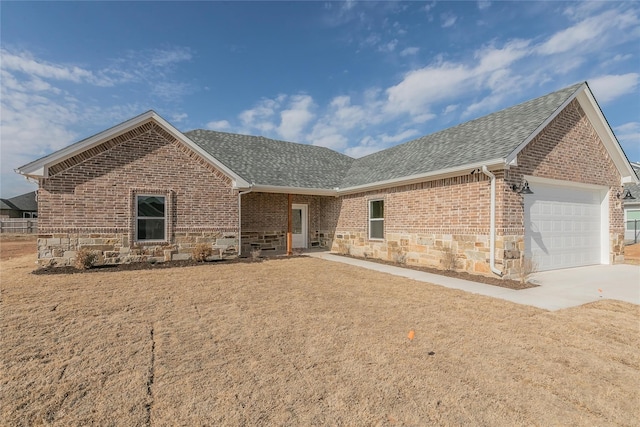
(165, 218)
(370, 219)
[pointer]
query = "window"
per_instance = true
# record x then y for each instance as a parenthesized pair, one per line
(150, 217)
(633, 220)
(376, 219)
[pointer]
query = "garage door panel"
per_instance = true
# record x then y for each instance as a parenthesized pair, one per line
(563, 226)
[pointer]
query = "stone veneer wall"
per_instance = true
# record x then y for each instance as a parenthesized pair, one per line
(89, 201)
(264, 220)
(422, 223)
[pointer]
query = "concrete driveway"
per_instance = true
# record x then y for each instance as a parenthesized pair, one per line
(557, 289)
(576, 286)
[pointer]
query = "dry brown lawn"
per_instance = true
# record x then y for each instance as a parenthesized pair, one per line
(17, 245)
(302, 342)
(632, 254)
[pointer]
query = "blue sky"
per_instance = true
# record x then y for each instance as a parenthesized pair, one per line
(353, 76)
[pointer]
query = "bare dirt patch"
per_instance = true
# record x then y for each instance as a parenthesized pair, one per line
(632, 254)
(17, 245)
(495, 281)
(303, 342)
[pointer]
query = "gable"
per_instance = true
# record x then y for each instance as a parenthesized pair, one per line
(100, 189)
(569, 148)
(92, 146)
(89, 153)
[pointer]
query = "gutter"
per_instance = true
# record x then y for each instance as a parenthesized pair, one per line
(413, 179)
(240, 217)
(492, 227)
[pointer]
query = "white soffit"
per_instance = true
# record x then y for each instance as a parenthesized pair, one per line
(39, 168)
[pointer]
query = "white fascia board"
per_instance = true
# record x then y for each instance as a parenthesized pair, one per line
(293, 190)
(602, 128)
(494, 164)
(514, 154)
(39, 168)
(238, 181)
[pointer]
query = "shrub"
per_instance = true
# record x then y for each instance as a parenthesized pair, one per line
(344, 248)
(449, 259)
(399, 257)
(255, 253)
(524, 268)
(201, 252)
(85, 258)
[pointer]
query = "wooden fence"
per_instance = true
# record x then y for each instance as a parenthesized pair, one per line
(18, 225)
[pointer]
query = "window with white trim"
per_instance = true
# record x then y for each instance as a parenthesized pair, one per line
(151, 217)
(376, 219)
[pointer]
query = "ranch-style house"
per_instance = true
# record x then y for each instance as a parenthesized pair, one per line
(541, 179)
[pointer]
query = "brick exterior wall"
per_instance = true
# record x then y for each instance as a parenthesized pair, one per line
(568, 149)
(426, 222)
(422, 223)
(90, 201)
(264, 220)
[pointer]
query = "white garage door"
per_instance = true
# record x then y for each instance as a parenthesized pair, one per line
(563, 226)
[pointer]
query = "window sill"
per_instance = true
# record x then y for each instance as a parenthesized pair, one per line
(150, 242)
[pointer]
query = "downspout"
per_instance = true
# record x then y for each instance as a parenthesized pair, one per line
(240, 217)
(492, 226)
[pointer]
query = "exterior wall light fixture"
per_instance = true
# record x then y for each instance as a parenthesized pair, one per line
(522, 190)
(627, 195)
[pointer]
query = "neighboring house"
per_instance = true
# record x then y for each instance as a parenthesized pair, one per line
(631, 201)
(22, 206)
(144, 190)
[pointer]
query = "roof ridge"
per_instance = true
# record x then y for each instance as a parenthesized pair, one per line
(488, 137)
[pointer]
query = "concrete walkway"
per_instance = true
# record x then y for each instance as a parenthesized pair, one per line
(557, 289)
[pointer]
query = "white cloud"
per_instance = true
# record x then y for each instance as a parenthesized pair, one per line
(427, 7)
(620, 58)
(179, 117)
(609, 87)
(492, 58)
(165, 57)
(448, 19)
(261, 116)
(409, 51)
(588, 31)
(450, 108)
(388, 47)
(24, 63)
(295, 119)
(423, 87)
(484, 4)
(346, 116)
(170, 90)
(46, 106)
(371, 144)
(218, 125)
(629, 136)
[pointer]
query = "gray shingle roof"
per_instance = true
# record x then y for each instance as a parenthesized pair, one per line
(490, 137)
(634, 188)
(24, 202)
(267, 161)
(5, 206)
